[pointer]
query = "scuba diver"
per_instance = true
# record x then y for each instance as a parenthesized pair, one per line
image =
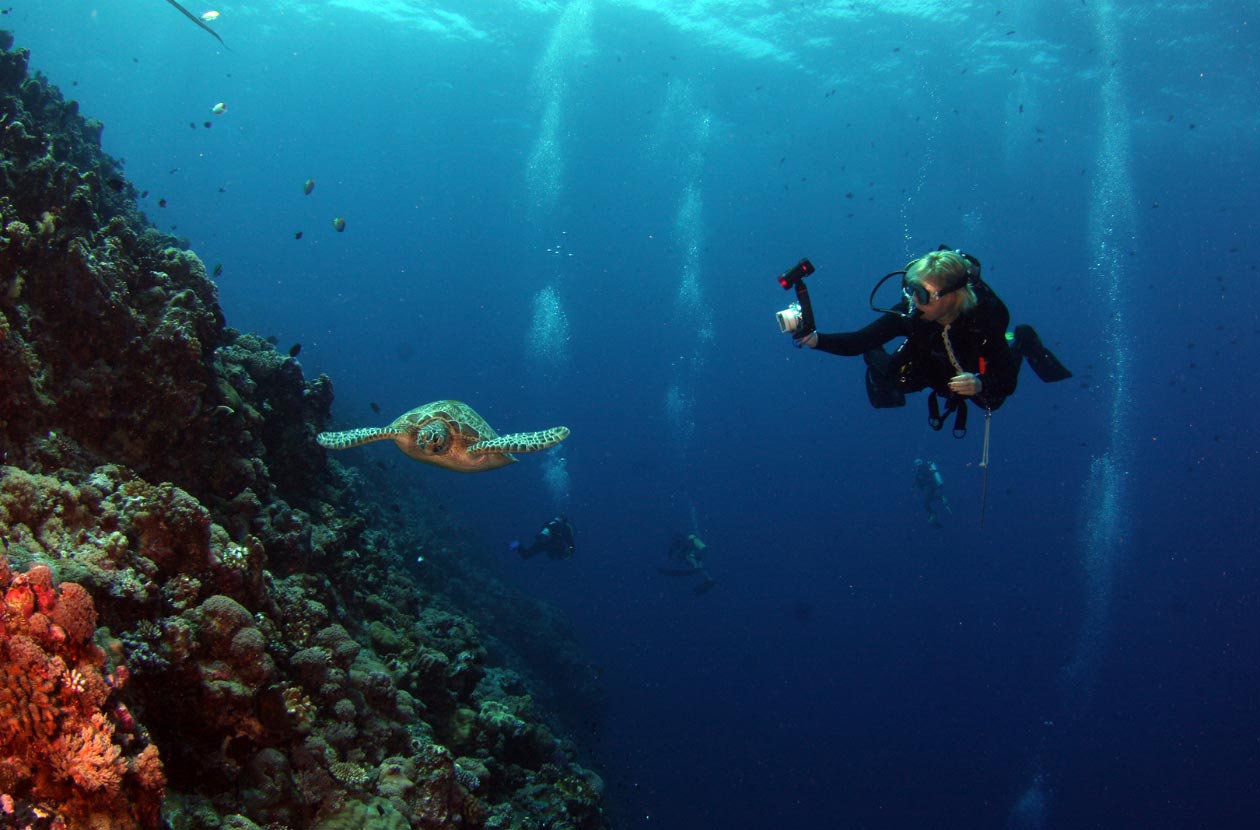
(956, 344)
(555, 539)
(686, 557)
(928, 481)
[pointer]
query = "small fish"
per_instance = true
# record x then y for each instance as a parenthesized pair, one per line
(308, 187)
(192, 125)
(219, 108)
(207, 124)
(376, 407)
(161, 203)
(297, 235)
(295, 350)
(144, 195)
(210, 16)
(116, 184)
(218, 269)
(272, 339)
(339, 224)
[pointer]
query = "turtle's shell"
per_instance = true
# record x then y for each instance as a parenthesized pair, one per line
(466, 426)
(451, 421)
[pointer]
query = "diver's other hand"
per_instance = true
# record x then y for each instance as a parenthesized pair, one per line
(965, 384)
(810, 340)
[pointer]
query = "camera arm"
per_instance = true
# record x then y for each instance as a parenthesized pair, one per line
(807, 310)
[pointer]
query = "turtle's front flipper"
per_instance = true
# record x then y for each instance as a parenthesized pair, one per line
(352, 438)
(521, 441)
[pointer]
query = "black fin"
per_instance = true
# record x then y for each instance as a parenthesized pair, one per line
(1042, 360)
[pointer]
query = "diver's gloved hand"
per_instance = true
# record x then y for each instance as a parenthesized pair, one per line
(810, 340)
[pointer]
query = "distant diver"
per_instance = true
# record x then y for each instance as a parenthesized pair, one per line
(198, 21)
(686, 557)
(555, 539)
(930, 484)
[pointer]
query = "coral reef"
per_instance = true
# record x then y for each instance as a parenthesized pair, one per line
(65, 737)
(207, 623)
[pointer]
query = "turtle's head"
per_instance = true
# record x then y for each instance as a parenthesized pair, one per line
(433, 439)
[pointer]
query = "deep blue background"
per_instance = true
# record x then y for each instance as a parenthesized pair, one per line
(932, 684)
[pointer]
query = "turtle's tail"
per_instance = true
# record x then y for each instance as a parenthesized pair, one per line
(352, 438)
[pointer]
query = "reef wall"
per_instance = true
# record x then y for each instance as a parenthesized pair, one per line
(207, 623)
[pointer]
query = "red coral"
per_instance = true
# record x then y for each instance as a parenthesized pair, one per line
(90, 757)
(57, 722)
(75, 613)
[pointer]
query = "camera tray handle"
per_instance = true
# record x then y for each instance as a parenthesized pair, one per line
(794, 277)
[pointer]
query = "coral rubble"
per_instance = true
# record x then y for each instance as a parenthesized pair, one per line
(208, 624)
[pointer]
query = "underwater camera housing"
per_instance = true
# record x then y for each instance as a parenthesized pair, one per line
(797, 318)
(789, 319)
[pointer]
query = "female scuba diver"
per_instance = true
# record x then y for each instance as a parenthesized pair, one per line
(956, 342)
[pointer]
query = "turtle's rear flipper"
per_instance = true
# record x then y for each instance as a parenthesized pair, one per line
(521, 441)
(1042, 360)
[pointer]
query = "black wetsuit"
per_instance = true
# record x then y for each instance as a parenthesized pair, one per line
(923, 362)
(555, 539)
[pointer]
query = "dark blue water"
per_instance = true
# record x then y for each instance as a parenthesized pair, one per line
(573, 213)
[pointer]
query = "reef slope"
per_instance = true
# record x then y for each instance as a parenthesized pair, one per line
(208, 624)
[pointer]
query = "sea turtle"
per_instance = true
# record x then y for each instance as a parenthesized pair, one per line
(449, 434)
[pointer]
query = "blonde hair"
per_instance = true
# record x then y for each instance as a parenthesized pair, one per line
(948, 270)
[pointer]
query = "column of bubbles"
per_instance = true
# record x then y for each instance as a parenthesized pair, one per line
(555, 472)
(548, 336)
(547, 342)
(1112, 227)
(544, 171)
(927, 157)
(1030, 811)
(547, 347)
(692, 317)
(547, 352)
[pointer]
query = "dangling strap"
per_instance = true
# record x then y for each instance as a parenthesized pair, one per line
(953, 403)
